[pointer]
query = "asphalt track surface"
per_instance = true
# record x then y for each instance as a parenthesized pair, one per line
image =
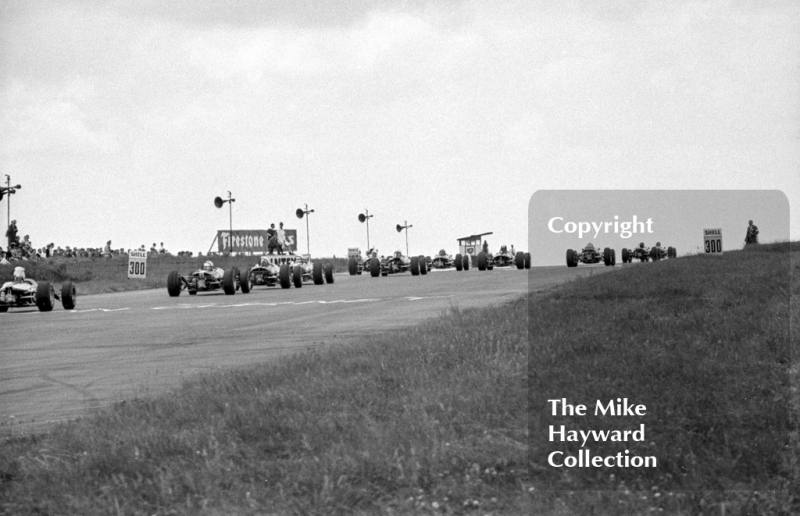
(61, 364)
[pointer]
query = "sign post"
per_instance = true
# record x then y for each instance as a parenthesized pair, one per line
(137, 264)
(712, 241)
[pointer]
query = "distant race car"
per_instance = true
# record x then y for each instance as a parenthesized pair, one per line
(307, 271)
(356, 264)
(504, 258)
(657, 252)
(22, 292)
(397, 263)
(590, 254)
(446, 261)
(640, 253)
(206, 279)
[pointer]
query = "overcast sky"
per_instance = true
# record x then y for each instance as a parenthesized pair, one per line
(123, 120)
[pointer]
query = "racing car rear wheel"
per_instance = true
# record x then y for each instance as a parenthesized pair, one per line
(423, 265)
(316, 273)
(229, 282)
(670, 252)
(613, 257)
(519, 260)
(68, 295)
(329, 272)
(482, 261)
(625, 257)
(654, 254)
(527, 260)
(459, 262)
(374, 267)
(297, 276)
(244, 281)
(466, 262)
(572, 260)
(415, 265)
(352, 266)
(174, 284)
(45, 296)
(285, 276)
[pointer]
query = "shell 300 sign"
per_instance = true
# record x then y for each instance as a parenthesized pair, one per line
(252, 241)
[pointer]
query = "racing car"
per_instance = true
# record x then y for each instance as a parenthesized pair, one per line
(640, 253)
(505, 258)
(206, 279)
(356, 264)
(657, 252)
(445, 261)
(397, 263)
(590, 254)
(304, 270)
(22, 292)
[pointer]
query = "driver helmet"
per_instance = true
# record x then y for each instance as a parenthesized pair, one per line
(398, 254)
(503, 249)
(658, 244)
(589, 246)
(442, 252)
(208, 266)
(19, 274)
(641, 245)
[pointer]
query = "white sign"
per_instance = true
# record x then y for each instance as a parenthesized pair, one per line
(137, 264)
(712, 240)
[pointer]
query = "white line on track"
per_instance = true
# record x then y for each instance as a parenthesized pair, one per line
(240, 305)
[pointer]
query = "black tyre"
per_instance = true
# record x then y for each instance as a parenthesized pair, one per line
(482, 261)
(297, 276)
(459, 262)
(519, 260)
(607, 256)
(674, 253)
(316, 274)
(244, 281)
(69, 295)
(329, 273)
(374, 267)
(285, 276)
(654, 254)
(415, 265)
(174, 284)
(45, 296)
(625, 257)
(527, 260)
(613, 257)
(229, 282)
(466, 262)
(571, 258)
(423, 265)
(352, 266)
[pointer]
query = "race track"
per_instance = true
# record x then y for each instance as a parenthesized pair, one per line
(58, 365)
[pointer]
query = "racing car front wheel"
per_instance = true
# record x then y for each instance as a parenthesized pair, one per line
(482, 261)
(229, 282)
(607, 259)
(527, 260)
(374, 267)
(244, 281)
(285, 276)
(571, 258)
(415, 265)
(466, 262)
(519, 260)
(297, 276)
(352, 266)
(174, 284)
(45, 296)
(316, 274)
(459, 262)
(329, 273)
(68, 295)
(423, 265)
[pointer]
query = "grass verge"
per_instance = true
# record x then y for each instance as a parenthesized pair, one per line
(435, 418)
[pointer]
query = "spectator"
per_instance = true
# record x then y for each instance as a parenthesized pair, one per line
(272, 239)
(107, 250)
(161, 249)
(752, 234)
(11, 233)
(281, 238)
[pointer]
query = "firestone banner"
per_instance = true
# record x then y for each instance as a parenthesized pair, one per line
(252, 241)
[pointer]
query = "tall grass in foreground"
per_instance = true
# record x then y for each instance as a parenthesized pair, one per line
(434, 418)
(101, 275)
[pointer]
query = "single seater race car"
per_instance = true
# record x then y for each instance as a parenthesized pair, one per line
(657, 252)
(505, 258)
(304, 270)
(397, 263)
(640, 253)
(446, 261)
(206, 279)
(22, 292)
(590, 254)
(356, 264)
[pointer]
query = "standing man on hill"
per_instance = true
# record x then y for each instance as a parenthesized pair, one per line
(281, 238)
(11, 233)
(272, 239)
(752, 234)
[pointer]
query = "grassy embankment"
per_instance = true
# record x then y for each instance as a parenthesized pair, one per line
(435, 418)
(100, 275)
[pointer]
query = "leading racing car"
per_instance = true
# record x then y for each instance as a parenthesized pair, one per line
(446, 261)
(397, 263)
(505, 258)
(591, 255)
(660, 253)
(640, 253)
(206, 279)
(21, 292)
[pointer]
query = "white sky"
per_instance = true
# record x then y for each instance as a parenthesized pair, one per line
(123, 120)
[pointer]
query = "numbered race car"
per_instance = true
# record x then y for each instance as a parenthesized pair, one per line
(640, 253)
(591, 255)
(446, 261)
(22, 292)
(505, 258)
(397, 263)
(355, 263)
(302, 269)
(207, 279)
(657, 252)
